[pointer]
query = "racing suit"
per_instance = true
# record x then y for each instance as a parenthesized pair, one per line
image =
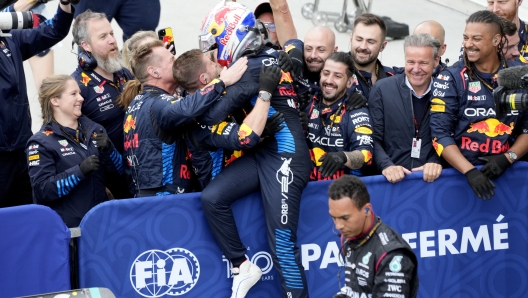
(379, 263)
(463, 113)
(279, 167)
(15, 118)
(523, 41)
(157, 159)
(53, 158)
(100, 96)
(214, 147)
(333, 129)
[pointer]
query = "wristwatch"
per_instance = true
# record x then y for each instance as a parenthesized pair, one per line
(264, 95)
(512, 155)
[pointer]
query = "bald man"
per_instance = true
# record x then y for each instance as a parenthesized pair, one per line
(319, 43)
(434, 29)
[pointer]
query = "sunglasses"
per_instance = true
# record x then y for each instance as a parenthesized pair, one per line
(270, 26)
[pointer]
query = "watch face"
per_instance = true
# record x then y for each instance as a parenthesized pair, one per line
(265, 96)
(512, 155)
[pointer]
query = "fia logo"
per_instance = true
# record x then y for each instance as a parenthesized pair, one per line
(155, 273)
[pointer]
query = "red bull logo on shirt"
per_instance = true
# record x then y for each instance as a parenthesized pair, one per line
(491, 127)
(130, 123)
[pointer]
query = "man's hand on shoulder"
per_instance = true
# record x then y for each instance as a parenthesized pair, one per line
(232, 74)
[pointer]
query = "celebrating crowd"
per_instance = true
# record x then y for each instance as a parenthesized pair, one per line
(257, 107)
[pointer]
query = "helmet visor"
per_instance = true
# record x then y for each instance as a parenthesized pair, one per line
(206, 42)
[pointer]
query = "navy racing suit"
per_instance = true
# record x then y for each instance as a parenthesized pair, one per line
(214, 147)
(463, 114)
(379, 263)
(156, 156)
(54, 159)
(363, 79)
(334, 129)
(100, 97)
(279, 167)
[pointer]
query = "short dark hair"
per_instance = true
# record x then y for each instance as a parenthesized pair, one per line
(509, 27)
(352, 187)
(371, 19)
(187, 68)
(344, 58)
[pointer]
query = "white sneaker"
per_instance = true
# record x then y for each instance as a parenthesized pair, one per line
(244, 278)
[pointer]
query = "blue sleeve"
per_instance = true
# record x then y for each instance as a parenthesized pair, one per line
(48, 185)
(375, 102)
(444, 111)
(235, 96)
(171, 112)
(47, 34)
(10, 8)
(361, 133)
(111, 159)
(293, 44)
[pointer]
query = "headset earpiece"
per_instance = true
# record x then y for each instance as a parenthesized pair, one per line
(367, 210)
(86, 61)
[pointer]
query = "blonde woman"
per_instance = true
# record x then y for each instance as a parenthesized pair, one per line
(64, 157)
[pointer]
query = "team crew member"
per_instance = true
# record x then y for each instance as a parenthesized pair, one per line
(278, 166)
(399, 106)
(154, 148)
(15, 127)
(100, 75)
(509, 9)
(378, 262)
(510, 51)
(64, 156)
(340, 140)
(213, 147)
(366, 42)
(437, 31)
(464, 125)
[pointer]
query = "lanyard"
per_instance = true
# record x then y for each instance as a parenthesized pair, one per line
(78, 133)
(504, 65)
(369, 83)
(334, 114)
(416, 124)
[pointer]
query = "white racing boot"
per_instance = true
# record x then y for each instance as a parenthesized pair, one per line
(244, 278)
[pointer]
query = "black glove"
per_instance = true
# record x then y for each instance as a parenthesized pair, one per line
(332, 161)
(297, 58)
(304, 120)
(273, 125)
(481, 185)
(495, 165)
(42, 1)
(102, 141)
(355, 100)
(89, 165)
(285, 62)
(269, 78)
(304, 99)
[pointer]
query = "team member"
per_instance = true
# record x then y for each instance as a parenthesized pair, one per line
(366, 42)
(509, 9)
(378, 262)
(510, 51)
(136, 40)
(464, 125)
(399, 107)
(437, 31)
(15, 129)
(64, 156)
(130, 15)
(213, 147)
(101, 76)
(155, 151)
(264, 13)
(340, 140)
(278, 166)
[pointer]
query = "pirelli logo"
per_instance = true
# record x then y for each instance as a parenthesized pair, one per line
(34, 157)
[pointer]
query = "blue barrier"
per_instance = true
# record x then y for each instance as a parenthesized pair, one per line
(34, 251)
(466, 247)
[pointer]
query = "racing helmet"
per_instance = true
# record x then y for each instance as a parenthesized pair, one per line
(231, 28)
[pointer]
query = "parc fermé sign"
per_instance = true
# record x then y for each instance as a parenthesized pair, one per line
(162, 246)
